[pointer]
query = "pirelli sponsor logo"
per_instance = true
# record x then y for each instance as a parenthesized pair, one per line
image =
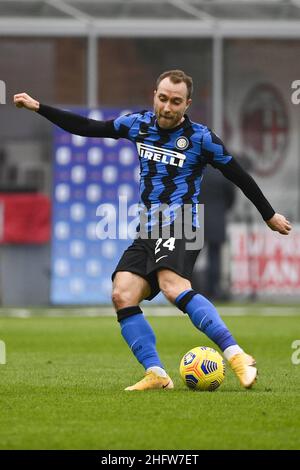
(157, 154)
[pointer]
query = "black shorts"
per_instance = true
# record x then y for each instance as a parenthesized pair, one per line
(146, 256)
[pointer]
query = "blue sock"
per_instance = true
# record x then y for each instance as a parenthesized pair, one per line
(205, 318)
(140, 337)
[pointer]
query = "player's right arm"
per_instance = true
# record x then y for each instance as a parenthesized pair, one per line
(70, 122)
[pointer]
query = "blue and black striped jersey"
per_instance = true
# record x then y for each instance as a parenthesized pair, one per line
(171, 161)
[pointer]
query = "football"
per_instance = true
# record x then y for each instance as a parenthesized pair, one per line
(202, 368)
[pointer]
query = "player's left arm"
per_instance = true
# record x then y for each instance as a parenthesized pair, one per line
(216, 154)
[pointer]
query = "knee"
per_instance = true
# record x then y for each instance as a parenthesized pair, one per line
(128, 290)
(122, 298)
(171, 284)
(169, 290)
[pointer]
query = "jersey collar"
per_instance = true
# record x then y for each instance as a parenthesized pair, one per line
(183, 125)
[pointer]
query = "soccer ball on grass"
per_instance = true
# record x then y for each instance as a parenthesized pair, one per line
(202, 368)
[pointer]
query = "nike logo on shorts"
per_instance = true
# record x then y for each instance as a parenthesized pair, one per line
(164, 256)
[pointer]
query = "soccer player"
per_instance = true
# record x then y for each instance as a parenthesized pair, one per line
(173, 152)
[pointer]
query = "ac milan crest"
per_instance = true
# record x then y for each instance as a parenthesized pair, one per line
(265, 129)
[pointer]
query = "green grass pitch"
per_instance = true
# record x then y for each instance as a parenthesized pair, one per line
(62, 388)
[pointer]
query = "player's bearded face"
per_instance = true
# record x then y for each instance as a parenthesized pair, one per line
(170, 103)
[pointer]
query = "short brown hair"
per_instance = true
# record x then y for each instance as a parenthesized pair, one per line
(178, 76)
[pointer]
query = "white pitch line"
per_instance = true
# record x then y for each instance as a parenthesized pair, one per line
(156, 311)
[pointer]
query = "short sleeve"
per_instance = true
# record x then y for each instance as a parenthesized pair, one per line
(213, 149)
(124, 123)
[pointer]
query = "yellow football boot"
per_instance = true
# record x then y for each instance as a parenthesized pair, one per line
(242, 365)
(152, 381)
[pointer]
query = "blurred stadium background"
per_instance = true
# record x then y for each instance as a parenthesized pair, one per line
(102, 58)
(62, 384)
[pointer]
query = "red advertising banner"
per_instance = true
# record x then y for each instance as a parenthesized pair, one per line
(24, 218)
(263, 261)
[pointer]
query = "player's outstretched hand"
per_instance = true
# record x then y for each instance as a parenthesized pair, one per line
(280, 224)
(22, 100)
